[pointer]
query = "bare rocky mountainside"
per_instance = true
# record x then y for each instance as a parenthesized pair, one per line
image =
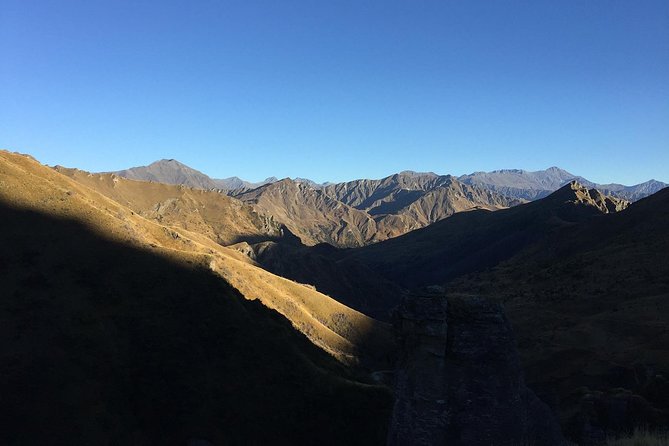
(367, 211)
(170, 171)
(361, 212)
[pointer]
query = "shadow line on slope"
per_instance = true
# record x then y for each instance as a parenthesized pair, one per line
(105, 343)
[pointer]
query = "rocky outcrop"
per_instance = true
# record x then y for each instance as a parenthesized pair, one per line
(459, 379)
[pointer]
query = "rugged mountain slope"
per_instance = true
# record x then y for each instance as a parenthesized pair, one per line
(343, 332)
(526, 185)
(418, 199)
(366, 211)
(396, 192)
(215, 215)
(475, 240)
(105, 341)
(585, 288)
(171, 171)
(311, 214)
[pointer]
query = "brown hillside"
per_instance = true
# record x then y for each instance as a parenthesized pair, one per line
(103, 343)
(217, 216)
(366, 211)
(332, 326)
(312, 215)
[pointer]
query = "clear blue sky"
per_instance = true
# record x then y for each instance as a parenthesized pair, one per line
(336, 90)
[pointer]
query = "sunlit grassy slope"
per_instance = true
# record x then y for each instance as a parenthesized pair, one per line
(104, 341)
(223, 219)
(332, 326)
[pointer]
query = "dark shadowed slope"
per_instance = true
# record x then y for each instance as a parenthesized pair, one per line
(351, 283)
(475, 240)
(587, 293)
(102, 343)
(590, 305)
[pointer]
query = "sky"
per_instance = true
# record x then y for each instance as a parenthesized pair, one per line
(337, 90)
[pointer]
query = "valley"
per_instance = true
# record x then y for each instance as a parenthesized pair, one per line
(297, 285)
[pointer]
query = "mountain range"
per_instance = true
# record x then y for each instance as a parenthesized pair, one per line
(117, 328)
(583, 280)
(532, 185)
(512, 183)
(170, 171)
(216, 305)
(580, 274)
(361, 212)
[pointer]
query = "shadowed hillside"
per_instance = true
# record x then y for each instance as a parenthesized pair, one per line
(351, 283)
(103, 343)
(347, 334)
(585, 288)
(590, 305)
(476, 240)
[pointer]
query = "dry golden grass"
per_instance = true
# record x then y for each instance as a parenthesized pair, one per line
(26, 184)
(221, 218)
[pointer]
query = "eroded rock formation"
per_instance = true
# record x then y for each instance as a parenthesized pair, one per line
(459, 379)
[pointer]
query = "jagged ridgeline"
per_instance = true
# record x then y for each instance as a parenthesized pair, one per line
(169, 306)
(360, 212)
(118, 330)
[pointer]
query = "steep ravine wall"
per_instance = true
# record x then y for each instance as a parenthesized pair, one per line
(459, 380)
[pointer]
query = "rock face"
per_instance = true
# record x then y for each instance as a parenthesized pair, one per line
(362, 212)
(459, 379)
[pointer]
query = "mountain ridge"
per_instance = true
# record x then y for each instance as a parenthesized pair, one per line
(312, 313)
(367, 211)
(514, 183)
